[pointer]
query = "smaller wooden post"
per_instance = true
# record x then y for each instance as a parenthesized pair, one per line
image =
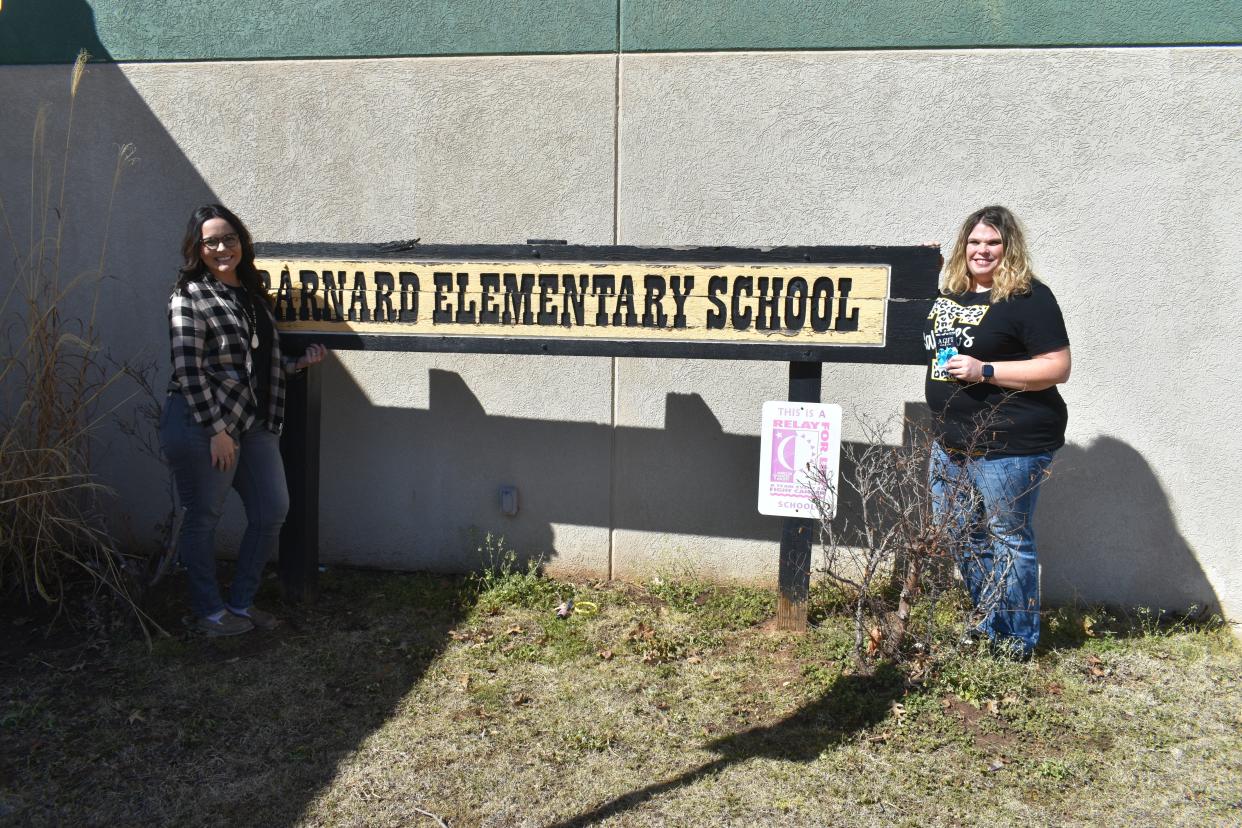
(299, 445)
(798, 533)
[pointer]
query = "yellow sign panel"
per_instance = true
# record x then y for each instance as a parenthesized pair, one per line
(800, 304)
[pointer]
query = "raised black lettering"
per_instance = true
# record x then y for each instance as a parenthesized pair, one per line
(334, 295)
(465, 310)
(489, 313)
(547, 289)
(517, 299)
(741, 321)
(358, 311)
(795, 311)
(653, 302)
(308, 305)
(575, 299)
(769, 307)
(821, 304)
(384, 283)
(850, 322)
(441, 313)
(409, 297)
(719, 314)
(679, 298)
(284, 298)
(602, 286)
(625, 296)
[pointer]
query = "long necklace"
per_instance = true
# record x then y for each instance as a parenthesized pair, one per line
(251, 318)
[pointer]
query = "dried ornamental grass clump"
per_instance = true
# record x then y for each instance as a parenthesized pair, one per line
(52, 382)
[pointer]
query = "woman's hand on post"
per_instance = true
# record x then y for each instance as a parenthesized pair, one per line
(314, 355)
(223, 451)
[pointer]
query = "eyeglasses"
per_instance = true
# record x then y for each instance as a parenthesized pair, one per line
(230, 241)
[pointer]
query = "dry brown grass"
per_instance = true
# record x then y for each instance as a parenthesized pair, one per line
(404, 694)
(52, 385)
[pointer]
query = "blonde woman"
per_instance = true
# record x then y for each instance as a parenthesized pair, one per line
(998, 350)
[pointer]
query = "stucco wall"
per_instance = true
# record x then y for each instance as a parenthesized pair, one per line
(1120, 160)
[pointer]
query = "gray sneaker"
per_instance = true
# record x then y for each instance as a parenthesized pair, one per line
(229, 624)
(261, 620)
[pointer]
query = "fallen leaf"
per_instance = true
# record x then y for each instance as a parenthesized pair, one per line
(516, 629)
(1055, 689)
(521, 699)
(136, 716)
(873, 640)
(899, 711)
(606, 655)
(992, 706)
(641, 632)
(694, 660)
(996, 764)
(465, 682)
(660, 705)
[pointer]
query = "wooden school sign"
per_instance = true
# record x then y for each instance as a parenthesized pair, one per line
(801, 305)
(852, 304)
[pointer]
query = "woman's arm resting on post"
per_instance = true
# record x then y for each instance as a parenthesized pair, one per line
(1035, 374)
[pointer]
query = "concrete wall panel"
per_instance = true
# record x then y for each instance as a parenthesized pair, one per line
(1121, 162)
(1115, 159)
(452, 150)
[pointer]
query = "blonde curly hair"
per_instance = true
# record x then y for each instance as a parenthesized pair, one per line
(1014, 274)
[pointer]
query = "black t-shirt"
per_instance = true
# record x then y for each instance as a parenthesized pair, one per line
(253, 313)
(1027, 422)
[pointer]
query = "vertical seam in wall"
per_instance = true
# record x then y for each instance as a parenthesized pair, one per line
(616, 235)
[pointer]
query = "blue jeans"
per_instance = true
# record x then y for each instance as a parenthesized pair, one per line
(988, 507)
(258, 475)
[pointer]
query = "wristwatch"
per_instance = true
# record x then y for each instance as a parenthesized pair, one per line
(989, 371)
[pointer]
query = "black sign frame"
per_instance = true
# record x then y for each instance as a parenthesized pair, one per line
(912, 289)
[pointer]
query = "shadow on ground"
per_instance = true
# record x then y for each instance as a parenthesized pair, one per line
(240, 731)
(853, 703)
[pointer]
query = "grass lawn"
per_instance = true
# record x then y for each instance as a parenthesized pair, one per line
(405, 700)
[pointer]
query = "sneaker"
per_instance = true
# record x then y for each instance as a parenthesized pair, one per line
(260, 619)
(227, 624)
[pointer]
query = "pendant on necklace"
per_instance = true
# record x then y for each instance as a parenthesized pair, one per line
(254, 340)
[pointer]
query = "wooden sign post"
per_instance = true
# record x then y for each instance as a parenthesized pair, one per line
(801, 305)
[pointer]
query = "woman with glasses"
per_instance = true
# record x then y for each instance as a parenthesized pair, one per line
(999, 350)
(221, 424)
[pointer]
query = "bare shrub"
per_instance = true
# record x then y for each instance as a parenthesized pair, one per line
(890, 551)
(53, 379)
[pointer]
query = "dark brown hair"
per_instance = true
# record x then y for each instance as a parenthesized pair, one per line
(193, 270)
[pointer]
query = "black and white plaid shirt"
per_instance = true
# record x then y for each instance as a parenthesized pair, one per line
(211, 363)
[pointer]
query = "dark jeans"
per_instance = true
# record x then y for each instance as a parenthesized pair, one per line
(258, 475)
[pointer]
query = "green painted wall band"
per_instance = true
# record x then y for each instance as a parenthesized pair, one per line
(52, 31)
(693, 25)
